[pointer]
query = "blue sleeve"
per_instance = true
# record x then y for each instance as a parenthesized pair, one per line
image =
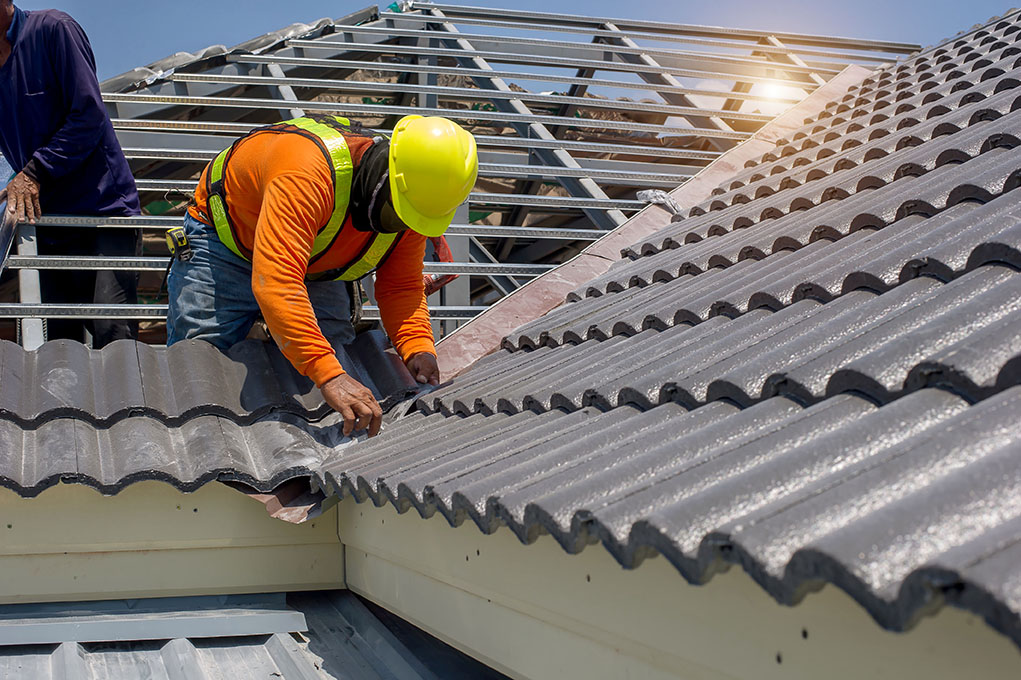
(74, 68)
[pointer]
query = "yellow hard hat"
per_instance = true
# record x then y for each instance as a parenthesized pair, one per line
(433, 166)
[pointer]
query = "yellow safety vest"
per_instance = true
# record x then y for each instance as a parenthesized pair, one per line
(331, 141)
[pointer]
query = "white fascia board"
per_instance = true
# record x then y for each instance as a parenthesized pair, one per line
(151, 540)
(537, 612)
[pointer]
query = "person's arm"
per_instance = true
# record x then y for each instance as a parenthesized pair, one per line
(292, 208)
(74, 67)
(400, 292)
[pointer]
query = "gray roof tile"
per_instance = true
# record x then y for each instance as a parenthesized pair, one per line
(186, 415)
(797, 495)
(885, 182)
(955, 241)
(860, 341)
(262, 454)
(814, 374)
(65, 379)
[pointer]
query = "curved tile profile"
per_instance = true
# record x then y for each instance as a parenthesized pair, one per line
(817, 378)
(185, 415)
(262, 454)
(888, 140)
(841, 492)
(65, 379)
(881, 345)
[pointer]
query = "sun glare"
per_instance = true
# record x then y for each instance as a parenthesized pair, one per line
(775, 91)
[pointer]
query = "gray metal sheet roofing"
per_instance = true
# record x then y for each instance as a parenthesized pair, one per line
(815, 374)
(330, 635)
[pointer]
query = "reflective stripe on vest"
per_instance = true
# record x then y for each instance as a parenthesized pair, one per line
(331, 141)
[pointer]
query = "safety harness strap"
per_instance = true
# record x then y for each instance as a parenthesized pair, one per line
(372, 257)
(328, 136)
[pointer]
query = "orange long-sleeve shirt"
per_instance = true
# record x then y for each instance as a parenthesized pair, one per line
(280, 194)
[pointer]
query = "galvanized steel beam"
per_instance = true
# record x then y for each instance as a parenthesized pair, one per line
(719, 60)
(791, 58)
(461, 93)
(559, 202)
(606, 175)
(479, 253)
(348, 108)
(556, 25)
(711, 121)
(159, 134)
(335, 64)
(38, 311)
(555, 58)
(534, 126)
(153, 222)
(667, 28)
(284, 89)
(91, 262)
(32, 331)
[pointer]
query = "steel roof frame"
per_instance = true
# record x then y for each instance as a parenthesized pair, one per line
(557, 169)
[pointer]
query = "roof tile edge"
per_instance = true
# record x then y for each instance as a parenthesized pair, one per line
(484, 333)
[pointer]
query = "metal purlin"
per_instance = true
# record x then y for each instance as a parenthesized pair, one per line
(230, 90)
(583, 186)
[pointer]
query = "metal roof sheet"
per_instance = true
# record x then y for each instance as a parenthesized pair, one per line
(305, 636)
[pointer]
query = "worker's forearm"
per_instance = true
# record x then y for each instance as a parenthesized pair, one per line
(406, 320)
(324, 369)
(400, 292)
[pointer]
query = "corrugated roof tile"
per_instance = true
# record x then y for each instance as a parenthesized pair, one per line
(815, 375)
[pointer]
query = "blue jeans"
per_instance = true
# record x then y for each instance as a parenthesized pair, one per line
(211, 295)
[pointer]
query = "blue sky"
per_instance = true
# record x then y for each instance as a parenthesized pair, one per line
(129, 33)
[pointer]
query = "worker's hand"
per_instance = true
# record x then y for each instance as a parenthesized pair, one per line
(424, 368)
(22, 199)
(355, 403)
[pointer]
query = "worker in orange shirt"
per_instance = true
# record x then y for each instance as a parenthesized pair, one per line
(291, 212)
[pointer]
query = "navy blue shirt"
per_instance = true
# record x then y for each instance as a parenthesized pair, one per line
(52, 119)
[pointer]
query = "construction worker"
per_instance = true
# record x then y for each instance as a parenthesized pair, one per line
(291, 212)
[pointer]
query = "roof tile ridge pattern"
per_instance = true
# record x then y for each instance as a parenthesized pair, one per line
(1005, 177)
(971, 108)
(978, 30)
(874, 141)
(697, 364)
(815, 405)
(482, 334)
(262, 454)
(931, 167)
(895, 600)
(172, 385)
(816, 272)
(186, 415)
